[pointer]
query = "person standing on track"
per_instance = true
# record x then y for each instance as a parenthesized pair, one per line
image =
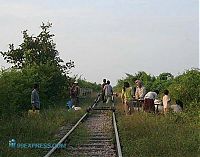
(103, 91)
(108, 92)
(127, 97)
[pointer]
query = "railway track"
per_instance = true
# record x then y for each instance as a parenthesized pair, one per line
(102, 135)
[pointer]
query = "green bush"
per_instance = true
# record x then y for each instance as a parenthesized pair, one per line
(146, 79)
(36, 60)
(186, 87)
(16, 87)
(12, 91)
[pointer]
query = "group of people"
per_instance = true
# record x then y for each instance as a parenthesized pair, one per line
(145, 99)
(129, 95)
(107, 91)
(74, 92)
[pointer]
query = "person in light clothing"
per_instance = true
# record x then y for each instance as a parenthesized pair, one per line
(140, 90)
(158, 106)
(178, 107)
(149, 101)
(166, 101)
(108, 92)
(127, 96)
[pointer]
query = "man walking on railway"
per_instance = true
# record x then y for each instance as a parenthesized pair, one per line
(108, 92)
(103, 91)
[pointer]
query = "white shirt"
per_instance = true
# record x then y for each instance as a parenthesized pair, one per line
(176, 108)
(166, 100)
(151, 95)
(108, 90)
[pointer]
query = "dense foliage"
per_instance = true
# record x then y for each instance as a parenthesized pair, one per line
(185, 87)
(36, 50)
(175, 134)
(35, 61)
(150, 82)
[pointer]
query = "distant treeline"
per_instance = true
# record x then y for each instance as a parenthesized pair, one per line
(185, 87)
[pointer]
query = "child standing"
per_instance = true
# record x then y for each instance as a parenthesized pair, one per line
(166, 101)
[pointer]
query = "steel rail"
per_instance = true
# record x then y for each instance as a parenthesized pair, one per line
(119, 151)
(72, 129)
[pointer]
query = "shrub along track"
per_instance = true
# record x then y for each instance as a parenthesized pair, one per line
(102, 135)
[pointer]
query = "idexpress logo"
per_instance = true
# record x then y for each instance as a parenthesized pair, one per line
(12, 143)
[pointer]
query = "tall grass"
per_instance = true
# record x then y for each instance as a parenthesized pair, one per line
(148, 135)
(35, 129)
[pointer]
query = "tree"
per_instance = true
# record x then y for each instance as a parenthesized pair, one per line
(36, 50)
(186, 87)
(166, 76)
(146, 79)
(35, 61)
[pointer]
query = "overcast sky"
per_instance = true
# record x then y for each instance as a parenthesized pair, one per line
(108, 38)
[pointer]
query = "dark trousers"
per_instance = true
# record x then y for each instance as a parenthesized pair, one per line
(103, 97)
(149, 105)
(75, 101)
